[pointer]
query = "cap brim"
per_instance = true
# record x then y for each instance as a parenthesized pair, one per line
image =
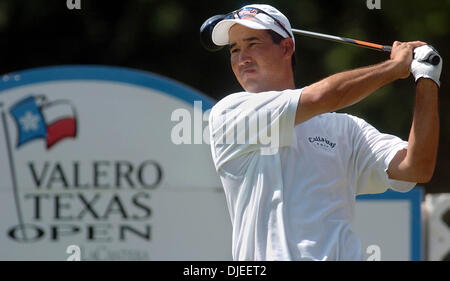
(220, 32)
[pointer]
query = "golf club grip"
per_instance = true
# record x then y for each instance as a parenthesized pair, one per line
(434, 59)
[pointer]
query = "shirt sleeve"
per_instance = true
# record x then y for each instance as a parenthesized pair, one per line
(373, 152)
(246, 122)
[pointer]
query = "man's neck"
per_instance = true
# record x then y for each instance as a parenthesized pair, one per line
(276, 87)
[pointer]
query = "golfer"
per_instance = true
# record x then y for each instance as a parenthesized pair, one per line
(290, 182)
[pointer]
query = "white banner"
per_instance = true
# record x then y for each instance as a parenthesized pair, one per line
(87, 160)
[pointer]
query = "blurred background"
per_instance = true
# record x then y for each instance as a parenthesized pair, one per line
(163, 37)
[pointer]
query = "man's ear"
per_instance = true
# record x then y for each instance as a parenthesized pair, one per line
(288, 47)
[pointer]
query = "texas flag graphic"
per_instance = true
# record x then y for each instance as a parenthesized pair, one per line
(37, 119)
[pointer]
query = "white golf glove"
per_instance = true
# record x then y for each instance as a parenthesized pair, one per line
(421, 68)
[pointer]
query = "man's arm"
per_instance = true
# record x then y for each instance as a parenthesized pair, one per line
(346, 88)
(416, 164)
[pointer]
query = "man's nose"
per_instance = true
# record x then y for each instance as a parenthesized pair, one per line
(244, 57)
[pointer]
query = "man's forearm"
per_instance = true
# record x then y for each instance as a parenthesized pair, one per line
(424, 135)
(416, 164)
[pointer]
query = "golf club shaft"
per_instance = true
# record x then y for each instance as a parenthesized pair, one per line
(433, 59)
(360, 43)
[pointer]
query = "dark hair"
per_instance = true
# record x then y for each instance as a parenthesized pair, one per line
(277, 38)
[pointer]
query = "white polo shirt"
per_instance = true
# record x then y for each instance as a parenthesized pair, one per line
(296, 200)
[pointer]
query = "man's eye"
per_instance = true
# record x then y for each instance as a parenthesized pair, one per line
(234, 51)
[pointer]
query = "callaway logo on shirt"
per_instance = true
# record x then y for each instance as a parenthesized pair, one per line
(322, 142)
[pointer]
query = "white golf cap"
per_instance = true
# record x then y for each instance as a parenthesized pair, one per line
(254, 20)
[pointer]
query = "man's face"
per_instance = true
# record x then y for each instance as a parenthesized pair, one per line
(257, 62)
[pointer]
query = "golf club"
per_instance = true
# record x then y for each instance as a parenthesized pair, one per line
(207, 28)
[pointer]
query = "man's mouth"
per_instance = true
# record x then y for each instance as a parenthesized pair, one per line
(248, 70)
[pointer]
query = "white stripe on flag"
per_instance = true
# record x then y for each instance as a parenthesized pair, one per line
(56, 112)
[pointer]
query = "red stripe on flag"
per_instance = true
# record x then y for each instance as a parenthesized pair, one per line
(59, 130)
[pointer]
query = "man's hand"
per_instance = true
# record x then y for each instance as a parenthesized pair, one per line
(422, 69)
(402, 54)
